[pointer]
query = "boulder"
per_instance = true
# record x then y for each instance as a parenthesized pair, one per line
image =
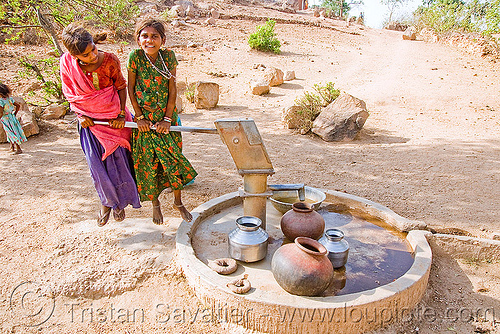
(292, 118)
(259, 87)
(210, 21)
(54, 111)
(342, 119)
(190, 12)
(178, 103)
(273, 76)
(206, 95)
(410, 34)
(214, 13)
(177, 11)
(26, 118)
(289, 75)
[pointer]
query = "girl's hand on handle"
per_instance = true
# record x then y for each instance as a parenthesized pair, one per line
(117, 123)
(144, 125)
(85, 121)
(163, 127)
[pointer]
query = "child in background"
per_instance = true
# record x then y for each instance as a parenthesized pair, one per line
(93, 83)
(158, 160)
(12, 127)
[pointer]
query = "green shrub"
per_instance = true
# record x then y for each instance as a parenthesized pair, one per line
(47, 74)
(189, 92)
(311, 103)
(264, 39)
(464, 16)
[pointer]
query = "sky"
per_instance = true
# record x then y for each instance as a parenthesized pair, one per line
(376, 12)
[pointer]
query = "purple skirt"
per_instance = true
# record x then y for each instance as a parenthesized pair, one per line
(113, 177)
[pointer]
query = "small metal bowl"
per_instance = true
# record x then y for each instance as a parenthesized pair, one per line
(283, 200)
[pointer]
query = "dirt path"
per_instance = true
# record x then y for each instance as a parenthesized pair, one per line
(429, 151)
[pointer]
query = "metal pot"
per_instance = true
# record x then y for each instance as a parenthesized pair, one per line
(338, 248)
(248, 242)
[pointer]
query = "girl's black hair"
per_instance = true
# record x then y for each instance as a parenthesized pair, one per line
(4, 90)
(153, 23)
(76, 38)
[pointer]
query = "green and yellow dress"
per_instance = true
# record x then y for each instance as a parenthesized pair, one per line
(158, 159)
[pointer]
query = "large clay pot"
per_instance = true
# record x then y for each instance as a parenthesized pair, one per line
(302, 221)
(302, 268)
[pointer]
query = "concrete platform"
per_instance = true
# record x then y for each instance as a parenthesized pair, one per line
(378, 298)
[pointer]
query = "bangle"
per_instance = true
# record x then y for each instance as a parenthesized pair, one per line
(122, 112)
(138, 118)
(167, 119)
(120, 116)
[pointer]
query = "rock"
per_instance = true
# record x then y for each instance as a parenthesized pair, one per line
(54, 111)
(178, 103)
(215, 13)
(190, 11)
(496, 236)
(210, 21)
(177, 11)
(289, 75)
(316, 12)
(273, 76)
(291, 117)
(342, 119)
(206, 95)
(38, 111)
(34, 86)
(259, 87)
(26, 118)
(410, 34)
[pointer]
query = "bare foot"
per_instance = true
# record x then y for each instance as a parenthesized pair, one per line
(157, 216)
(12, 149)
(185, 214)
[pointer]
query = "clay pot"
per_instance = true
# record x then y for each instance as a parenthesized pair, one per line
(302, 221)
(302, 268)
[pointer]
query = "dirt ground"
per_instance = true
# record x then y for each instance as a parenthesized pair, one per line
(429, 151)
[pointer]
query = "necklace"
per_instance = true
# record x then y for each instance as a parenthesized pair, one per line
(165, 73)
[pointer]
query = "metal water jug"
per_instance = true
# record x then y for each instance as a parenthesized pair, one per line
(338, 248)
(248, 242)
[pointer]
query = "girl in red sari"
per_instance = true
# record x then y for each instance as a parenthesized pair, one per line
(96, 89)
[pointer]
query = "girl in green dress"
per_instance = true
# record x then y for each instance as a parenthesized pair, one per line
(158, 160)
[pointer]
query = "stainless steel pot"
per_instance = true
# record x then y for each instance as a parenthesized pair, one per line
(248, 242)
(338, 248)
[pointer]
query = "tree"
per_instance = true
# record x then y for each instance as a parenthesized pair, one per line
(392, 5)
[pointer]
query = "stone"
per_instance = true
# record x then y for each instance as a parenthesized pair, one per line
(496, 236)
(206, 95)
(342, 119)
(210, 21)
(289, 75)
(259, 87)
(291, 117)
(190, 12)
(215, 13)
(54, 111)
(178, 103)
(177, 11)
(26, 118)
(316, 12)
(410, 34)
(38, 111)
(273, 76)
